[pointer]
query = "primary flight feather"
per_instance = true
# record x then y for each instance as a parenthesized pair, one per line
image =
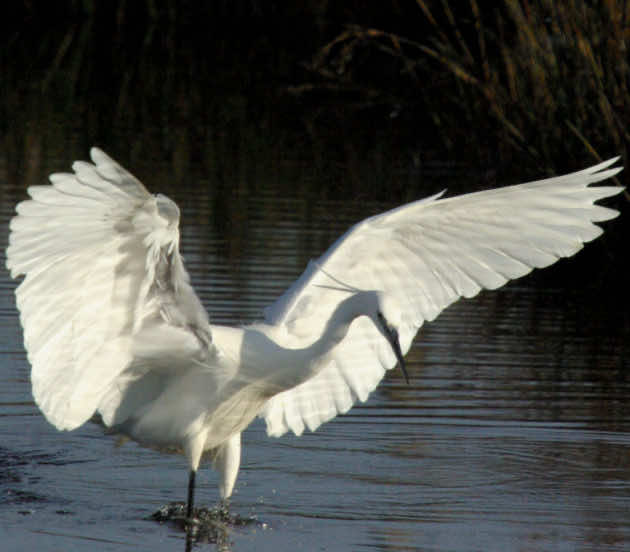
(113, 327)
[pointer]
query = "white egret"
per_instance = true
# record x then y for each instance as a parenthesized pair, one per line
(113, 327)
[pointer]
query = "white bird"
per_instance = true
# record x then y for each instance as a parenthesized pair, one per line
(112, 326)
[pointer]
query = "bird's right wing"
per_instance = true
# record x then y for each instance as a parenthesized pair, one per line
(425, 255)
(104, 287)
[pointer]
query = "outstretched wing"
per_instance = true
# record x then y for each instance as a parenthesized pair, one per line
(102, 276)
(426, 255)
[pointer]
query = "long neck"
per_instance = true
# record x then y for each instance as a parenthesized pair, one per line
(337, 327)
(302, 364)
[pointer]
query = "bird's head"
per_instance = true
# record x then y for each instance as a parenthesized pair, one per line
(386, 314)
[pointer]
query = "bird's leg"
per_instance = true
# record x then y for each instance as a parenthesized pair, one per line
(191, 494)
(224, 509)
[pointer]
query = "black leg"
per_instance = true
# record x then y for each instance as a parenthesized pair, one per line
(191, 494)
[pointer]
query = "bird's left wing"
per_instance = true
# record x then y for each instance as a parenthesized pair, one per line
(104, 285)
(425, 255)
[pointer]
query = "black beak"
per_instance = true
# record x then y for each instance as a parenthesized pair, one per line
(392, 336)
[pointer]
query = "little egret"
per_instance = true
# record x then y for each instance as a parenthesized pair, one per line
(113, 328)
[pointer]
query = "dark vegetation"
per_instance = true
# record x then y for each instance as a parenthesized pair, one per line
(548, 79)
(537, 83)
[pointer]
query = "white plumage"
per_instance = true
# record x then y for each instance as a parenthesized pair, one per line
(112, 325)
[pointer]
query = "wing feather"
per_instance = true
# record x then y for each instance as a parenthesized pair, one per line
(427, 254)
(101, 266)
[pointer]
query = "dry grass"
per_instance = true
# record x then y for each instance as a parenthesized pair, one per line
(552, 76)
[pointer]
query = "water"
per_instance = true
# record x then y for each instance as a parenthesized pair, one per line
(514, 433)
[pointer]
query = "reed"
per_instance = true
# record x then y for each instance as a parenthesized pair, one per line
(533, 82)
(536, 76)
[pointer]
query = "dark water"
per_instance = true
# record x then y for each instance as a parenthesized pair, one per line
(514, 433)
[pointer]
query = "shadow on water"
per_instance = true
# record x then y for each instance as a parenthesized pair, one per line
(11, 477)
(514, 432)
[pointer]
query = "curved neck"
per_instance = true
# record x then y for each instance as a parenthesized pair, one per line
(303, 364)
(338, 325)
